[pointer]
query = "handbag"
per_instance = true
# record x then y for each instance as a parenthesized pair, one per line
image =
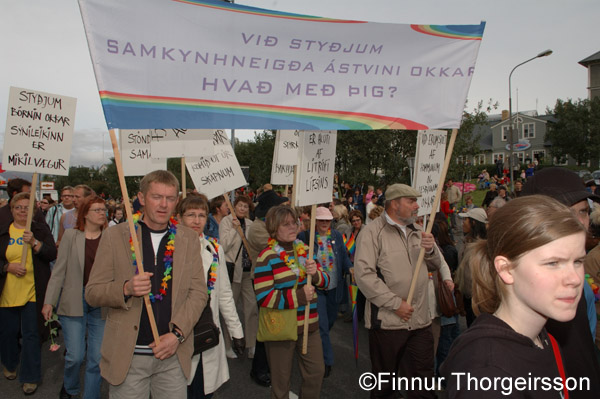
(231, 265)
(206, 332)
(445, 298)
(277, 325)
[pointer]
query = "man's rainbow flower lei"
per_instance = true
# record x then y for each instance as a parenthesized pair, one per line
(299, 249)
(326, 251)
(213, 266)
(168, 259)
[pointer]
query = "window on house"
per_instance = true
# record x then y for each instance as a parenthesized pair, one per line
(529, 130)
(539, 155)
(505, 133)
(479, 159)
(498, 155)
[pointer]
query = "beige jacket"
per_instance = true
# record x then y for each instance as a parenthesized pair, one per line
(382, 247)
(231, 241)
(113, 267)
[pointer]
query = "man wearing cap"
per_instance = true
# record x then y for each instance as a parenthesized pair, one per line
(386, 255)
(333, 257)
(574, 337)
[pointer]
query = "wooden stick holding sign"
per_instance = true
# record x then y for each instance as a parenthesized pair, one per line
(26, 246)
(438, 194)
(238, 228)
(183, 178)
(293, 202)
(134, 240)
(311, 252)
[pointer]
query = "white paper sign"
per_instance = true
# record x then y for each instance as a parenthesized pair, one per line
(431, 151)
(136, 154)
(316, 167)
(285, 157)
(176, 143)
(39, 132)
(218, 173)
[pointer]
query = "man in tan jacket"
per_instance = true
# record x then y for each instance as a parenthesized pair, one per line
(387, 250)
(132, 362)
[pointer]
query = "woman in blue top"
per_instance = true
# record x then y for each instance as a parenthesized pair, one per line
(333, 258)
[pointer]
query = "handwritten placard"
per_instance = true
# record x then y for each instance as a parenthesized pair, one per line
(175, 143)
(431, 150)
(39, 132)
(316, 167)
(216, 174)
(285, 157)
(136, 154)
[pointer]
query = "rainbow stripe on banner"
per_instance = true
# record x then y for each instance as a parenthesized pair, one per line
(221, 5)
(460, 32)
(154, 112)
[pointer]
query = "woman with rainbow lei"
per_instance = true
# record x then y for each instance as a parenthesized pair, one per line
(280, 280)
(333, 258)
(209, 369)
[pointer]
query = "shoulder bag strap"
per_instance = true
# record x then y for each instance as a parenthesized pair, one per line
(559, 365)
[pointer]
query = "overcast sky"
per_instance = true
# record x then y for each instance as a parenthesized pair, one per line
(44, 48)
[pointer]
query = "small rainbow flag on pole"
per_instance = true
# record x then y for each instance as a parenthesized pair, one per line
(350, 244)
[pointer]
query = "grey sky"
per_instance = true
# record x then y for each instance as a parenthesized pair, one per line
(44, 48)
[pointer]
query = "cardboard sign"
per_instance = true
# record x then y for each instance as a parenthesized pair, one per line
(218, 173)
(136, 153)
(316, 167)
(39, 132)
(431, 150)
(285, 157)
(176, 143)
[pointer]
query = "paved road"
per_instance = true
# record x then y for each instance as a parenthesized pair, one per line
(342, 383)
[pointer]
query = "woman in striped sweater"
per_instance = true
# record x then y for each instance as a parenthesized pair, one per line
(280, 283)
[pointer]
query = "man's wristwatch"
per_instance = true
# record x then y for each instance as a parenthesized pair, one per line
(180, 337)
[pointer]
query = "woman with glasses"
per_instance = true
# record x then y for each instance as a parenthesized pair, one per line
(209, 369)
(333, 259)
(78, 319)
(237, 256)
(22, 290)
(280, 282)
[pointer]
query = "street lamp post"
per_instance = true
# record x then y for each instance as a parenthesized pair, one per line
(512, 136)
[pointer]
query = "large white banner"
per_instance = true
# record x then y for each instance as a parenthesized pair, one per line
(216, 174)
(314, 180)
(285, 157)
(431, 152)
(212, 64)
(39, 132)
(136, 153)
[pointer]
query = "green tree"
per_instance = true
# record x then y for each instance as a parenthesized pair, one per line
(576, 132)
(258, 156)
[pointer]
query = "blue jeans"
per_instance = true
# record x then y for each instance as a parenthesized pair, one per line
(448, 334)
(327, 308)
(74, 330)
(21, 319)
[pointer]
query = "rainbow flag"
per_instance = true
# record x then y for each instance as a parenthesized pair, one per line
(350, 244)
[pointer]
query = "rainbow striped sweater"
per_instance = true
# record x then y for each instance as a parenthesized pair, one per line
(274, 287)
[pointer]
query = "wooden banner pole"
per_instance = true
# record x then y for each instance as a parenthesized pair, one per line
(438, 195)
(311, 251)
(238, 228)
(285, 192)
(30, 210)
(293, 199)
(135, 242)
(183, 178)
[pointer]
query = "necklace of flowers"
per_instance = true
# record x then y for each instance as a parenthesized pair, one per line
(326, 251)
(214, 265)
(299, 251)
(168, 259)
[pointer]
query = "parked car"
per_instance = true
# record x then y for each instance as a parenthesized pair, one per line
(596, 176)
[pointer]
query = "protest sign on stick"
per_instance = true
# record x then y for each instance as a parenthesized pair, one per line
(438, 195)
(218, 173)
(30, 210)
(39, 132)
(176, 143)
(314, 184)
(134, 241)
(285, 156)
(136, 152)
(431, 148)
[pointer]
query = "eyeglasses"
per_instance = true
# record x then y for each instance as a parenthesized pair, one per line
(194, 216)
(98, 210)
(356, 220)
(291, 225)
(21, 207)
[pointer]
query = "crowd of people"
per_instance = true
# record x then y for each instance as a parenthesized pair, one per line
(515, 266)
